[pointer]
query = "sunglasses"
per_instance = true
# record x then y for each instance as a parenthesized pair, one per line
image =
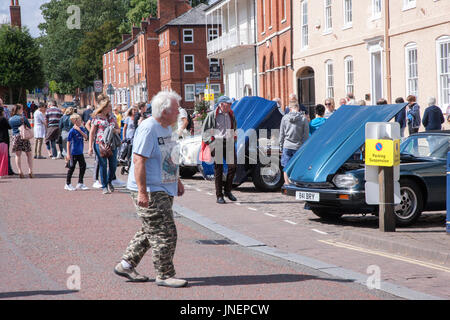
(328, 104)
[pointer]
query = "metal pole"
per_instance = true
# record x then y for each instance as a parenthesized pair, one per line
(386, 213)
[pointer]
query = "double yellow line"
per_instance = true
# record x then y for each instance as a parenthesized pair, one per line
(387, 255)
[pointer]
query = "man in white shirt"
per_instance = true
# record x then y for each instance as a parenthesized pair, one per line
(182, 123)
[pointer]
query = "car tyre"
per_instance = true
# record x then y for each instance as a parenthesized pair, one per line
(411, 206)
(272, 182)
(186, 172)
(326, 215)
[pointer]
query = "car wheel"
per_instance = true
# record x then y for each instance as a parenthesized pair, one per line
(411, 205)
(267, 177)
(187, 172)
(327, 215)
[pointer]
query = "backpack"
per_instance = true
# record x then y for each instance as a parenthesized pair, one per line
(190, 122)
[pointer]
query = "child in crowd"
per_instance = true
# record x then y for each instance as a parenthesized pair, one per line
(75, 143)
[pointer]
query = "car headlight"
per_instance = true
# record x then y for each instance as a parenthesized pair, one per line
(345, 181)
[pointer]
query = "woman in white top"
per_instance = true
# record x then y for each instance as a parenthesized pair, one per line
(39, 130)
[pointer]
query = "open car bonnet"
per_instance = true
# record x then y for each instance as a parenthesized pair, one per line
(335, 141)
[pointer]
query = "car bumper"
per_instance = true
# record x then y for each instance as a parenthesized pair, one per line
(340, 200)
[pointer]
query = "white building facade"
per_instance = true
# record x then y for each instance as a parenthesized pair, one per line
(231, 37)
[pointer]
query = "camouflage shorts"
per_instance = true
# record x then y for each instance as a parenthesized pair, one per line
(158, 232)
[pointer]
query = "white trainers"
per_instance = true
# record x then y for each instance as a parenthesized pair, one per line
(81, 187)
(69, 187)
(118, 183)
(171, 282)
(97, 185)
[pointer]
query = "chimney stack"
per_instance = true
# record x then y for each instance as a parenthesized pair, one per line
(16, 19)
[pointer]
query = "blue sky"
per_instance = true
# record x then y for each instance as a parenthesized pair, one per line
(31, 14)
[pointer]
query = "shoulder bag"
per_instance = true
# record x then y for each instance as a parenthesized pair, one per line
(25, 132)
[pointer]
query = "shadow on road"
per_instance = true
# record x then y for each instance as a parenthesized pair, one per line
(6, 295)
(256, 279)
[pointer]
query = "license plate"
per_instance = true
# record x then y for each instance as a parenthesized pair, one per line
(307, 196)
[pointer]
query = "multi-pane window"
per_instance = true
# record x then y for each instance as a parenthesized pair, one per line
(189, 63)
(106, 76)
(348, 13)
(412, 76)
(163, 66)
(213, 62)
(329, 78)
(213, 33)
(215, 87)
(328, 15)
(443, 62)
(120, 78)
(188, 35)
(263, 6)
(189, 92)
(114, 69)
(304, 5)
(376, 9)
(124, 77)
(349, 75)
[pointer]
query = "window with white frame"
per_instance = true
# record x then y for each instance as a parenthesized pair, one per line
(189, 92)
(376, 9)
(109, 57)
(348, 13)
(409, 4)
(110, 75)
(215, 88)
(188, 35)
(104, 59)
(167, 65)
(412, 75)
(349, 75)
(163, 66)
(213, 33)
(124, 77)
(304, 29)
(263, 6)
(329, 74)
(443, 64)
(328, 16)
(114, 56)
(214, 62)
(284, 11)
(114, 69)
(189, 63)
(106, 76)
(120, 79)
(270, 15)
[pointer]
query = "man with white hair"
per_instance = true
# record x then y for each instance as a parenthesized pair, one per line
(433, 118)
(153, 181)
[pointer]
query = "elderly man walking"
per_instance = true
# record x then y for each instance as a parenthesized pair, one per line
(153, 181)
(219, 132)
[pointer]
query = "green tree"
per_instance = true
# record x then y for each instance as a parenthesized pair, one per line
(138, 10)
(20, 63)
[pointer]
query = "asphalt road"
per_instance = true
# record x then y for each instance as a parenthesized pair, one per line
(49, 237)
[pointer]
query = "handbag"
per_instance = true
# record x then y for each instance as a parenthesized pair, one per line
(25, 132)
(105, 150)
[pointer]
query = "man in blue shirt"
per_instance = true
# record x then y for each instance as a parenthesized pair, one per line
(153, 181)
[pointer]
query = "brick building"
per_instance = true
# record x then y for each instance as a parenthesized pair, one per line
(15, 21)
(274, 43)
(166, 52)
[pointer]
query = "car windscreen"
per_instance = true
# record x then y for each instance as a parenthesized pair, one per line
(433, 146)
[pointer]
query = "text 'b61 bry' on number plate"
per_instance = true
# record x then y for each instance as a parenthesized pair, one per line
(307, 196)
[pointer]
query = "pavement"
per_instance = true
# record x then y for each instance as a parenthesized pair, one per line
(265, 246)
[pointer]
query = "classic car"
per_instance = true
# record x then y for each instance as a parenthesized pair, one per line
(251, 113)
(328, 171)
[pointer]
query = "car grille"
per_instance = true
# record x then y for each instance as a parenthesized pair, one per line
(315, 185)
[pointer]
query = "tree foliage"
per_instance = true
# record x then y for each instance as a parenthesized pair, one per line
(20, 62)
(138, 10)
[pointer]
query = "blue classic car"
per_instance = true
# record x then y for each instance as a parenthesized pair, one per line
(328, 171)
(252, 113)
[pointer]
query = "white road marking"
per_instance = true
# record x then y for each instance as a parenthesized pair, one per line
(253, 209)
(387, 255)
(270, 215)
(209, 194)
(318, 231)
(289, 221)
(199, 190)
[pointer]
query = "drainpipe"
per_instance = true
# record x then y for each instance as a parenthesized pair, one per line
(387, 42)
